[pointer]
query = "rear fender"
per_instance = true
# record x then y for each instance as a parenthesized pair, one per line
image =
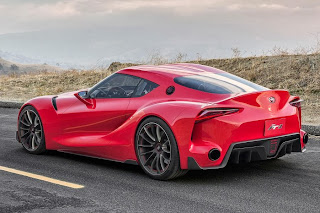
(180, 116)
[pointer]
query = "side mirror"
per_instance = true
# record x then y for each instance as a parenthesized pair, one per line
(83, 94)
(82, 97)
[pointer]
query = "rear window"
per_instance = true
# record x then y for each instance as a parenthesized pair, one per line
(222, 83)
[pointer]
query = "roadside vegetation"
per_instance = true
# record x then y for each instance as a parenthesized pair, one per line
(299, 73)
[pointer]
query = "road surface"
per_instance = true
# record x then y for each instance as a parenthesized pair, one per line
(289, 184)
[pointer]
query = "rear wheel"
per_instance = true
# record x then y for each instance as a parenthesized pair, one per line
(157, 150)
(31, 131)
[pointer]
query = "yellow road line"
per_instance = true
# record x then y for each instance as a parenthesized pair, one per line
(43, 178)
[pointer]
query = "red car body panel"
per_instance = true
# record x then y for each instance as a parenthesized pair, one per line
(106, 128)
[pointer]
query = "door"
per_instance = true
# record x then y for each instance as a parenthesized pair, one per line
(86, 125)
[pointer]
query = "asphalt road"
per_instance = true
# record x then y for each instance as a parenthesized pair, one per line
(289, 184)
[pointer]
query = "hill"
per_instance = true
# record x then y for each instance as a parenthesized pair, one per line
(8, 67)
(300, 74)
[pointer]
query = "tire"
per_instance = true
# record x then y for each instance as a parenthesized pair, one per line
(30, 130)
(157, 151)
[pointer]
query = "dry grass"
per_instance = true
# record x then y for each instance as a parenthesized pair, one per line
(27, 86)
(300, 74)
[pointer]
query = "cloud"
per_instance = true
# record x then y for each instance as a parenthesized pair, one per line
(215, 24)
(48, 9)
(273, 6)
(56, 10)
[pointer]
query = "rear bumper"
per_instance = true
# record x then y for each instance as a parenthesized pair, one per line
(255, 150)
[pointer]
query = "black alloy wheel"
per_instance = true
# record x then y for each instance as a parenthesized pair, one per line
(30, 131)
(157, 150)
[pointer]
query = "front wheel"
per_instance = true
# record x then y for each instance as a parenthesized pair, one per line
(31, 132)
(157, 150)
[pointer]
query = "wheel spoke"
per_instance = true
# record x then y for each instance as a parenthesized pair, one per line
(166, 151)
(146, 139)
(148, 152)
(32, 142)
(154, 161)
(162, 162)
(30, 130)
(25, 134)
(165, 158)
(149, 158)
(158, 133)
(157, 163)
(145, 146)
(154, 148)
(149, 134)
(35, 122)
(38, 138)
(24, 123)
(165, 147)
(25, 118)
(28, 141)
(29, 117)
(23, 128)
(153, 132)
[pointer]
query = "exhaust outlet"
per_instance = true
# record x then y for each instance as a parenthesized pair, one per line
(214, 154)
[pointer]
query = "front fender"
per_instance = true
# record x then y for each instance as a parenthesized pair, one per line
(48, 117)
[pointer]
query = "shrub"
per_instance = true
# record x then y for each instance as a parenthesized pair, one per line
(14, 67)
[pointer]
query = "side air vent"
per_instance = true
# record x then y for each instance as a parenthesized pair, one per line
(54, 103)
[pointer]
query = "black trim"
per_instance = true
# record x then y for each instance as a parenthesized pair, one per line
(305, 138)
(253, 150)
(132, 162)
(192, 164)
(54, 103)
(170, 90)
(17, 136)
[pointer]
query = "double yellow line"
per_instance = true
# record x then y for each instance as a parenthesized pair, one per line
(43, 178)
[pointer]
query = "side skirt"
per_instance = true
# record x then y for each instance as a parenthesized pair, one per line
(132, 162)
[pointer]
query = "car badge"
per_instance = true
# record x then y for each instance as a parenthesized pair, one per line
(272, 99)
(274, 127)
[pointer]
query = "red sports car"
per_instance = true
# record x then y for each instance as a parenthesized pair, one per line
(168, 119)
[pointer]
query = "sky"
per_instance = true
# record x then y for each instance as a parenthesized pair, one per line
(89, 32)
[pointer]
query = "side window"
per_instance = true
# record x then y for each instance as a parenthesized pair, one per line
(115, 86)
(144, 88)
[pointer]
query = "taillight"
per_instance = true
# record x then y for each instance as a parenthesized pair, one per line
(296, 103)
(213, 113)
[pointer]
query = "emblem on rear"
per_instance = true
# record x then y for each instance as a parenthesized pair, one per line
(275, 126)
(272, 99)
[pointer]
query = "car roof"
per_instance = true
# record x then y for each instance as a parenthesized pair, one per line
(175, 70)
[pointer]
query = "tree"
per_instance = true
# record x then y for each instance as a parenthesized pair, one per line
(14, 67)
(1, 67)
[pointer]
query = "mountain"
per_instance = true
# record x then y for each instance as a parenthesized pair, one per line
(8, 67)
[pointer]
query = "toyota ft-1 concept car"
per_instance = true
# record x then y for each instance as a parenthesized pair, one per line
(168, 119)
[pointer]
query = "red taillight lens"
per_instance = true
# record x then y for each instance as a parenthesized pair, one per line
(215, 112)
(296, 103)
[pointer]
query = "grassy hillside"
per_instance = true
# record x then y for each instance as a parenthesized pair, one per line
(300, 74)
(7, 67)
